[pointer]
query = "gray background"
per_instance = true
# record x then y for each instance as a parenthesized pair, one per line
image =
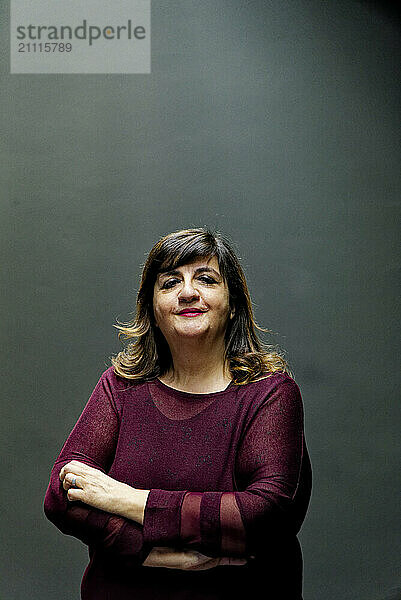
(277, 123)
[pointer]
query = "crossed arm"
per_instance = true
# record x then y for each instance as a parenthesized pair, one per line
(101, 511)
(110, 514)
(94, 488)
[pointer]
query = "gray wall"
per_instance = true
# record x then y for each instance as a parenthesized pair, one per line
(277, 123)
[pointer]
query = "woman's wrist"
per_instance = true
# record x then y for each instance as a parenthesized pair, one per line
(131, 503)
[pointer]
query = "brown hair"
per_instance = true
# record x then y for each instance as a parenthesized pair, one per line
(247, 357)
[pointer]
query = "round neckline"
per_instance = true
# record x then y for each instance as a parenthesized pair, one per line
(181, 393)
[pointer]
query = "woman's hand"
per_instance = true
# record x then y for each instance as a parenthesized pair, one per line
(92, 486)
(179, 559)
(187, 560)
(97, 489)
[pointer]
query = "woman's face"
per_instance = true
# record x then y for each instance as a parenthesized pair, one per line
(192, 301)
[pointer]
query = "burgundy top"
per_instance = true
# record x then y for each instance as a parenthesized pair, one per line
(228, 473)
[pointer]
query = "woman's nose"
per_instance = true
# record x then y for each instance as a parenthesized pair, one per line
(188, 292)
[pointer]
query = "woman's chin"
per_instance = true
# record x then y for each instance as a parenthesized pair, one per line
(191, 331)
(191, 334)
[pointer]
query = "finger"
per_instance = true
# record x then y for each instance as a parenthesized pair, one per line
(74, 466)
(68, 468)
(71, 480)
(166, 557)
(80, 466)
(74, 494)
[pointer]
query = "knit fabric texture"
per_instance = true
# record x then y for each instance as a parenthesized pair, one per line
(229, 476)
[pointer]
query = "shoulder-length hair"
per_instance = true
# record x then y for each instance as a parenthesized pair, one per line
(148, 356)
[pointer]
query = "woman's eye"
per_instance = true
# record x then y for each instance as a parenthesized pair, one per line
(169, 284)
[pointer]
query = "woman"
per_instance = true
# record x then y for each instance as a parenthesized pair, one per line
(189, 456)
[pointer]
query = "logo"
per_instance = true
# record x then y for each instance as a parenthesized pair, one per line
(80, 36)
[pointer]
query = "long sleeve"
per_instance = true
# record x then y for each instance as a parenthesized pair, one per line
(273, 478)
(93, 441)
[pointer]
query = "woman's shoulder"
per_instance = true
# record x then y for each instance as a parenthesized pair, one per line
(118, 384)
(274, 394)
(274, 379)
(272, 386)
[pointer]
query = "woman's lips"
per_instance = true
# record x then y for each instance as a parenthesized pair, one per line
(191, 313)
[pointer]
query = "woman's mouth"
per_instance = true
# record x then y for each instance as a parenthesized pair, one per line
(190, 312)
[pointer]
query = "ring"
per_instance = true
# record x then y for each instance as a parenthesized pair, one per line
(74, 482)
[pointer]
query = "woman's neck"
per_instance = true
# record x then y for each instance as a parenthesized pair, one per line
(197, 372)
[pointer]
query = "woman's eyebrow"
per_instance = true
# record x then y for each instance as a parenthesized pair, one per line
(206, 270)
(197, 271)
(168, 273)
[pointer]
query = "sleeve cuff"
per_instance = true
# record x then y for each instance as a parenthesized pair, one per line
(162, 518)
(130, 544)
